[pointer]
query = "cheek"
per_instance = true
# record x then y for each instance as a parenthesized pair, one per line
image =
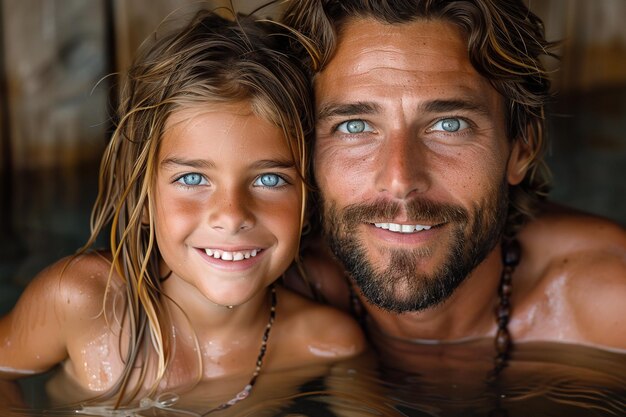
(174, 213)
(342, 174)
(467, 175)
(283, 220)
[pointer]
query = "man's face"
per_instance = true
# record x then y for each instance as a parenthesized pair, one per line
(412, 161)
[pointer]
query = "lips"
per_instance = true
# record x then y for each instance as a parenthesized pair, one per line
(234, 256)
(402, 228)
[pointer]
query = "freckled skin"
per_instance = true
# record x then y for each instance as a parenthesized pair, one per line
(60, 319)
(396, 70)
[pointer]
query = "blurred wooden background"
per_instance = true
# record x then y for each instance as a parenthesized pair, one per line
(58, 60)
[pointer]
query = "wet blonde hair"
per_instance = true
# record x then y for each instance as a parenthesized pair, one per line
(505, 44)
(212, 60)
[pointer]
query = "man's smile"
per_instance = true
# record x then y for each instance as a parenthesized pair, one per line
(402, 228)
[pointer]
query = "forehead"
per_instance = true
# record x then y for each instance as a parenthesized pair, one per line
(224, 126)
(423, 56)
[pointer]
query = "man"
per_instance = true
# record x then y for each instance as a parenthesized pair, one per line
(429, 162)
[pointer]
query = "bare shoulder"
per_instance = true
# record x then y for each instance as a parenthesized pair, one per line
(79, 283)
(70, 286)
(316, 332)
(574, 230)
(325, 278)
(52, 310)
(577, 265)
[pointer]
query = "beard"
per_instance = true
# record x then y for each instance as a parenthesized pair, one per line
(399, 287)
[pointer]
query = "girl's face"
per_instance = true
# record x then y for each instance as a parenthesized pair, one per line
(227, 202)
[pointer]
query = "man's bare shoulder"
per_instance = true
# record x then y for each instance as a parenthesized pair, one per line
(573, 230)
(316, 332)
(573, 277)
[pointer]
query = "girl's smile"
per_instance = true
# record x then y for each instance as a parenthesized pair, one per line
(239, 260)
(227, 201)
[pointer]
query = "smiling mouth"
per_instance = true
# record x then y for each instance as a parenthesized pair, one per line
(402, 228)
(232, 256)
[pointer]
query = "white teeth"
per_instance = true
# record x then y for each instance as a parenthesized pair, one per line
(231, 256)
(407, 228)
(402, 228)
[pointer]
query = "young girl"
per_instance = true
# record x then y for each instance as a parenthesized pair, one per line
(203, 188)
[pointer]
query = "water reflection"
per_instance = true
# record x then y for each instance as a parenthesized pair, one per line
(542, 379)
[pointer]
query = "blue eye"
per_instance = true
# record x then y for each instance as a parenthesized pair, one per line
(354, 126)
(192, 179)
(269, 180)
(450, 125)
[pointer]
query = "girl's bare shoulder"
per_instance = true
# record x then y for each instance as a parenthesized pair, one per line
(54, 310)
(316, 332)
(79, 283)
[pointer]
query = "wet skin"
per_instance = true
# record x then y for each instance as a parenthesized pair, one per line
(401, 109)
(403, 117)
(226, 206)
(228, 203)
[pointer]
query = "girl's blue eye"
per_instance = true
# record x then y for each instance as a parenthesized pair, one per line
(354, 126)
(269, 180)
(450, 125)
(192, 179)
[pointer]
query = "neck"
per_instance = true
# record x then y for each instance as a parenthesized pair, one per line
(189, 307)
(467, 314)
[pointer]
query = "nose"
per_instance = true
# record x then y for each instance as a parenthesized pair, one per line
(231, 210)
(402, 165)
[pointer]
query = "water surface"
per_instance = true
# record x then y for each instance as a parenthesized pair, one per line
(541, 379)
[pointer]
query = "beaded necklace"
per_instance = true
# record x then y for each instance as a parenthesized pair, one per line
(167, 400)
(245, 392)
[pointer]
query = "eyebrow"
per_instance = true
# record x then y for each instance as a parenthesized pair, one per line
(363, 108)
(192, 163)
(349, 109)
(444, 106)
(274, 163)
(208, 164)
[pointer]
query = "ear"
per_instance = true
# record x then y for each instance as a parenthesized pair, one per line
(519, 160)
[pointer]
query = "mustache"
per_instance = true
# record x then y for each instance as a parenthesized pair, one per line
(418, 210)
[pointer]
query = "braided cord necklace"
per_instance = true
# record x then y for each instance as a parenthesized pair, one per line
(511, 253)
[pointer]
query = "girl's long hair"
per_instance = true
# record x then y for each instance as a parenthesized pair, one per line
(212, 60)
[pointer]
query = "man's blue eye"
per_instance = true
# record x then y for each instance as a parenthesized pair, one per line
(191, 179)
(451, 125)
(354, 126)
(269, 180)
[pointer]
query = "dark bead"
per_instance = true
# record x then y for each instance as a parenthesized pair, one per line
(502, 317)
(503, 341)
(505, 290)
(511, 253)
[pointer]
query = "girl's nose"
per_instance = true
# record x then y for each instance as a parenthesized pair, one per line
(231, 211)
